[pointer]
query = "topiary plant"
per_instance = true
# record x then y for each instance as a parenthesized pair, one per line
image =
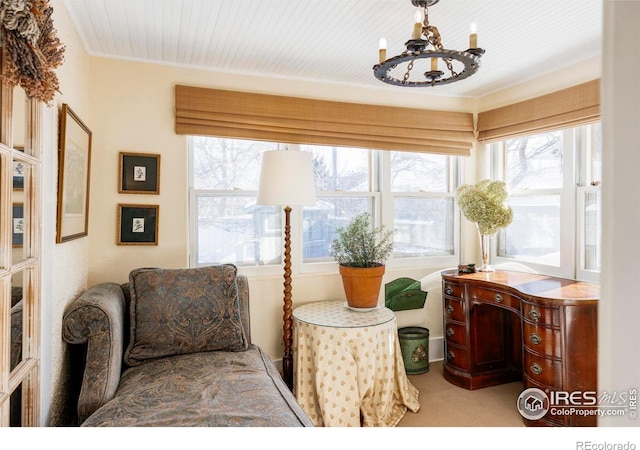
(361, 245)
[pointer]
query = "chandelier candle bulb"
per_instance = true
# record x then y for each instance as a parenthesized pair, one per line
(383, 49)
(434, 64)
(417, 25)
(473, 37)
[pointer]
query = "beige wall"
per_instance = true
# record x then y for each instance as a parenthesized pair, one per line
(65, 268)
(619, 309)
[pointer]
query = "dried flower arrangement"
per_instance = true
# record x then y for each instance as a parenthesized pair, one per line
(32, 47)
(485, 204)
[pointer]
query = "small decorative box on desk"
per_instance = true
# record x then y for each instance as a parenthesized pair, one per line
(506, 326)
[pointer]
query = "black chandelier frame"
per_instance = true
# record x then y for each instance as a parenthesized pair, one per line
(419, 49)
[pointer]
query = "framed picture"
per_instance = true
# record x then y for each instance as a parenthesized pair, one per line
(74, 164)
(18, 225)
(18, 174)
(138, 224)
(139, 173)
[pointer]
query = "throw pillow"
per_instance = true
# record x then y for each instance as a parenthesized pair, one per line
(178, 311)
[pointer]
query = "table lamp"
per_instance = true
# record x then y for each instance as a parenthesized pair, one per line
(286, 179)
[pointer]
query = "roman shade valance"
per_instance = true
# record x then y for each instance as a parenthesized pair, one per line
(213, 112)
(574, 106)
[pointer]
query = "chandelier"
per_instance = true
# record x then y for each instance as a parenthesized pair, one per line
(425, 43)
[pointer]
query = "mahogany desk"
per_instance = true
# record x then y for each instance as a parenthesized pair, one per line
(505, 326)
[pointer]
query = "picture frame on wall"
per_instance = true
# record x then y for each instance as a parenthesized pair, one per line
(74, 165)
(18, 175)
(138, 224)
(18, 225)
(139, 173)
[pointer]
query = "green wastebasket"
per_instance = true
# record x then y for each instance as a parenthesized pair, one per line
(414, 344)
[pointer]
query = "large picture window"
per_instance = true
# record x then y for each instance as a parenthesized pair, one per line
(406, 191)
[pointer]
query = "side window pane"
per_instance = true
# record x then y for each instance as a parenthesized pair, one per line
(227, 164)
(321, 222)
(592, 230)
(423, 226)
(339, 169)
(596, 154)
(419, 172)
(534, 234)
(233, 229)
(534, 162)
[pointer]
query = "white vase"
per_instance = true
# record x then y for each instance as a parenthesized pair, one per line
(485, 245)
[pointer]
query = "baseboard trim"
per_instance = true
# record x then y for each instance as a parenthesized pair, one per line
(436, 349)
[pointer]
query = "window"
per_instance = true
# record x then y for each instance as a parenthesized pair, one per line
(553, 180)
(227, 225)
(411, 193)
(344, 179)
(423, 212)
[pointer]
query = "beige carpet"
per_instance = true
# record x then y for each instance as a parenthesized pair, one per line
(444, 405)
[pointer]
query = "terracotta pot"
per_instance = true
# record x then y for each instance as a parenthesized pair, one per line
(362, 285)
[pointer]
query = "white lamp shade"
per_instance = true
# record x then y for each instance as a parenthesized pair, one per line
(286, 178)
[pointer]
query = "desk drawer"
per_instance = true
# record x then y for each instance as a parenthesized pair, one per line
(457, 356)
(542, 340)
(451, 289)
(541, 315)
(543, 370)
(494, 297)
(455, 333)
(454, 310)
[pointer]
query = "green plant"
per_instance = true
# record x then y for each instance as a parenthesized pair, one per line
(485, 204)
(361, 245)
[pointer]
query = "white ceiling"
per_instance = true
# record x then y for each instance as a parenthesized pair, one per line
(336, 41)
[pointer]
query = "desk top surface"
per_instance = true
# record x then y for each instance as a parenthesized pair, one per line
(533, 285)
(336, 314)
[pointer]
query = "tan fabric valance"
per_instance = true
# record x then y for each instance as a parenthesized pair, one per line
(577, 105)
(213, 112)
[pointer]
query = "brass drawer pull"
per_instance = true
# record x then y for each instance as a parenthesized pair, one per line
(450, 355)
(536, 368)
(498, 298)
(448, 290)
(450, 332)
(535, 315)
(535, 338)
(450, 309)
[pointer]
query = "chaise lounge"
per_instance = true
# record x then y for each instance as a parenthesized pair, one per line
(173, 348)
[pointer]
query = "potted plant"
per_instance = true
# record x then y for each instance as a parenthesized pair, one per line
(485, 204)
(361, 251)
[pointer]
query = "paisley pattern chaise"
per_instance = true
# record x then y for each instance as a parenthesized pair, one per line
(173, 348)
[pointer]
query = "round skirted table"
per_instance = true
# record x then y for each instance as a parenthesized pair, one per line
(348, 367)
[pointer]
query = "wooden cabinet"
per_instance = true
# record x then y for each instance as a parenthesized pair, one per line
(506, 326)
